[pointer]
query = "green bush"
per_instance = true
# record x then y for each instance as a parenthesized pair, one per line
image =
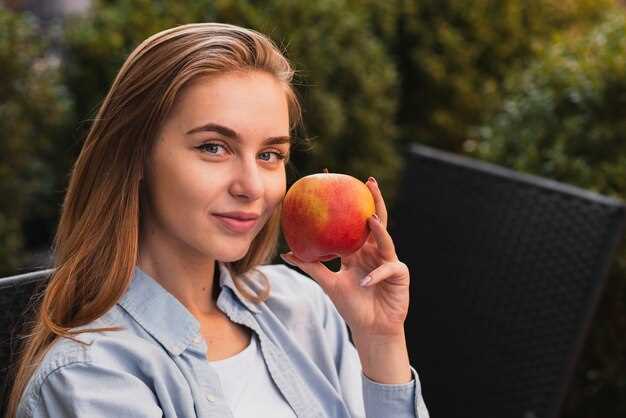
(34, 109)
(564, 119)
(453, 56)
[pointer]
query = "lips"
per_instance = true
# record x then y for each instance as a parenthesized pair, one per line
(238, 225)
(239, 215)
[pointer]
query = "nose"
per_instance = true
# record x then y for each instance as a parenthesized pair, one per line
(247, 181)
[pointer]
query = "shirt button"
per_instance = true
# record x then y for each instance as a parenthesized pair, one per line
(210, 397)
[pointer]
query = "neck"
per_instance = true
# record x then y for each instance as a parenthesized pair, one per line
(195, 283)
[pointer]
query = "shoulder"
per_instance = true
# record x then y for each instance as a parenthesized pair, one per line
(120, 348)
(299, 304)
(296, 295)
(288, 284)
(100, 355)
(287, 281)
(77, 381)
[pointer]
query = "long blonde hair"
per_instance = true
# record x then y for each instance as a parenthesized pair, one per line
(96, 243)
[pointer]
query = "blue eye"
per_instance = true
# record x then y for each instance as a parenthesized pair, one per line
(279, 155)
(206, 148)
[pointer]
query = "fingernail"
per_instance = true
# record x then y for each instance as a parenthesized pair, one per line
(373, 180)
(376, 217)
(366, 280)
(287, 259)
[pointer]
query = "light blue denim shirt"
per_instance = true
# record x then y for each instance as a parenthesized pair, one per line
(157, 366)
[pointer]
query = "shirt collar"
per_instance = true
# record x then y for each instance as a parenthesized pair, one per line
(155, 309)
(227, 280)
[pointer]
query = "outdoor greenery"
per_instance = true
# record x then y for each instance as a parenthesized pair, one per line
(34, 107)
(535, 85)
(564, 119)
(453, 56)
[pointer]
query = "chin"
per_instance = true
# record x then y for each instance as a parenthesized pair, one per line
(232, 256)
(229, 259)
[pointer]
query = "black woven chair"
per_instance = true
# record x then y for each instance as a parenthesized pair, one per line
(16, 306)
(506, 271)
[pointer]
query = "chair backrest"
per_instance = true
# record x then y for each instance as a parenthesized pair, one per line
(16, 307)
(506, 271)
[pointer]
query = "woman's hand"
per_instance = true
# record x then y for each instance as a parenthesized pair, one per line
(371, 289)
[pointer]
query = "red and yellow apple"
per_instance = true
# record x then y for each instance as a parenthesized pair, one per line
(324, 216)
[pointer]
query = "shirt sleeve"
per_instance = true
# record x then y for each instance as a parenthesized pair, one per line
(365, 397)
(85, 389)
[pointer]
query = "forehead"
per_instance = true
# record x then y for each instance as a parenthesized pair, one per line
(234, 99)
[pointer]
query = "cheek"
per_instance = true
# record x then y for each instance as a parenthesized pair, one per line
(278, 188)
(181, 186)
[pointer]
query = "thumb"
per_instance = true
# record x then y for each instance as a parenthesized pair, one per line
(316, 270)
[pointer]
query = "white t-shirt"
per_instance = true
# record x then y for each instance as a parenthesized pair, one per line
(248, 386)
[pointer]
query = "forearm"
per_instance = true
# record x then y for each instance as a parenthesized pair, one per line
(384, 359)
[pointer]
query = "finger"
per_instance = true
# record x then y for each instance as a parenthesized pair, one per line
(379, 202)
(318, 271)
(383, 240)
(395, 272)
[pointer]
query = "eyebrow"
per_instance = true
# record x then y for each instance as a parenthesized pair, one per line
(229, 133)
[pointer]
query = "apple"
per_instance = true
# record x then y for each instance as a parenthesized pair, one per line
(324, 216)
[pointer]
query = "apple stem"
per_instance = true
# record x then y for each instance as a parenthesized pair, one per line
(326, 170)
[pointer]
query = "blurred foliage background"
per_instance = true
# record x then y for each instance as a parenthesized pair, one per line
(535, 85)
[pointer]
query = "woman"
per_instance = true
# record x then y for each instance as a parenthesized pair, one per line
(162, 304)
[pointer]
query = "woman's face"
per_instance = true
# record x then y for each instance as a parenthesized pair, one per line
(218, 152)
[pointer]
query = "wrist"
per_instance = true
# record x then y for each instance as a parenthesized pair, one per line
(397, 337)
(384, 358)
